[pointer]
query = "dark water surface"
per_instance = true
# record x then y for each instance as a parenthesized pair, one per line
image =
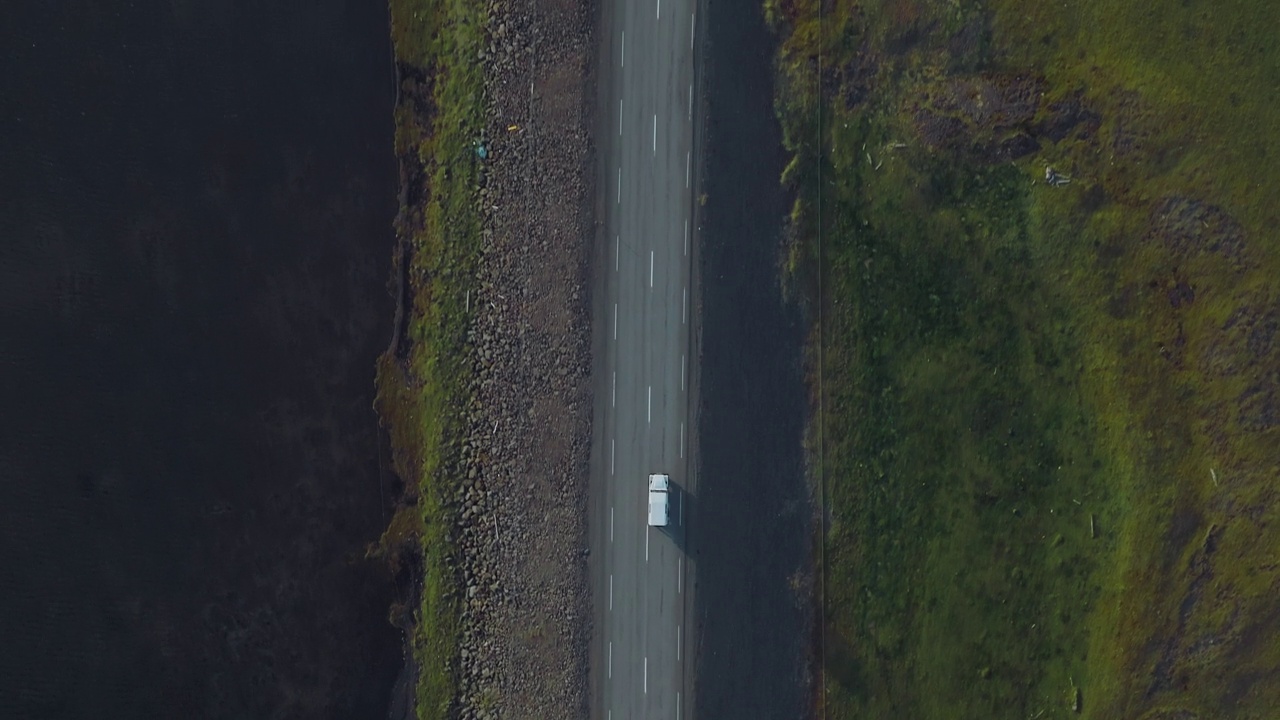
(195, 206)
(754, 522)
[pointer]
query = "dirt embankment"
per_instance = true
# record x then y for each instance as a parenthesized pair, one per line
(522, 524)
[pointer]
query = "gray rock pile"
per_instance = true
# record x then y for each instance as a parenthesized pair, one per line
(521, 528)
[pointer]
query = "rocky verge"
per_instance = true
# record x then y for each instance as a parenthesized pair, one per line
(521, 524)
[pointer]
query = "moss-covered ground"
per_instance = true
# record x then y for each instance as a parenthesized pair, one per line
(422, 379)
(1050, 413)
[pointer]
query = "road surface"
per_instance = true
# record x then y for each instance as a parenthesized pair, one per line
(643, 307)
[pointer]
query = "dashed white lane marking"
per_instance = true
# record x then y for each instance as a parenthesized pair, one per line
(682, 364)
(619, 184)
(646, 543)
(619, 117)
(684, 306)
(617, 247)
(677, 643)
(690, 101)
(611, 663)
(658, 14)
(650, 268)
(677, 707)
(686, 238)
(650, 419)
(655, 134)
(686, 169)
(693, 23)
(611, 591)
(624, 49)
(679, 575)
(646, 676)
(615, 321)
(615, 389)
(682, 440)
(610, 540)
(682, 504)
(612, 455)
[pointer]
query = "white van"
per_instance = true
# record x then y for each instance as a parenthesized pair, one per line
(659, 500)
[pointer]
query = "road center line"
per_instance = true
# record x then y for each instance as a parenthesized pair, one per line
(650, 268)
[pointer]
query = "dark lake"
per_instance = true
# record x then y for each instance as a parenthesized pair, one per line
(195, 209)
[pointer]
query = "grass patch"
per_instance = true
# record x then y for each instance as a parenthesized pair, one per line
(1026, 387)
(422, 381)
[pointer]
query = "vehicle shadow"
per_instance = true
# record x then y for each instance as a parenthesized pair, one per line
(681, 510)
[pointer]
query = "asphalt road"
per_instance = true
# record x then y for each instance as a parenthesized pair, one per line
(643, 312)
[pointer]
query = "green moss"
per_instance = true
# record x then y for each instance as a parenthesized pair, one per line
(1023, 404)
(422, 392)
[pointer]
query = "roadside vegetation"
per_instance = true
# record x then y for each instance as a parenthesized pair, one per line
(1050, 411)
(422, 379)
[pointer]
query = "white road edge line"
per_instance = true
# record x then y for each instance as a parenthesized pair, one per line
(650, 269)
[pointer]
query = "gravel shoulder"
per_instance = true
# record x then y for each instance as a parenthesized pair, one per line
(522, 527)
